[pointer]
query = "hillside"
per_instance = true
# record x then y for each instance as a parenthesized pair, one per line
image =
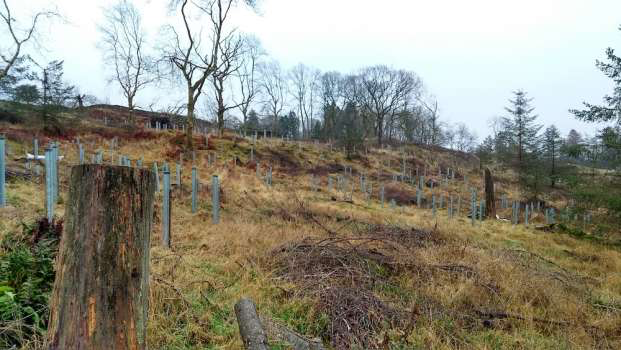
(340, 265)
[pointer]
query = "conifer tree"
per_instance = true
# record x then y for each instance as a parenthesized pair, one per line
(551, 144)
(611, 110)
(520, 126)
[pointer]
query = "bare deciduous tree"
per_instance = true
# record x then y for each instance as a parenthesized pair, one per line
(383, 92)
(193, 61)
(230, 53)
(123, 44)
(305, 85)
(246, 75)
(431, 106)
(465, 140)
(274, 88)
(11, 51)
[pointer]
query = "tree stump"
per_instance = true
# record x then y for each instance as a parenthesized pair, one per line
(490, 201)
(100, 296)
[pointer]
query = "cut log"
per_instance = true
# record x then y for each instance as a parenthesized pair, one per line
(250, 327)
(100, 296)
(296, 341)
(12, 174)
(490, 201)
(546, 228)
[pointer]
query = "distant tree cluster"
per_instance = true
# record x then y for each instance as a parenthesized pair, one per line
(383, 104)
(542, 157)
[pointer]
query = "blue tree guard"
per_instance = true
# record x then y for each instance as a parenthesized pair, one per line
(49, 192)
(2, 172)
(166, 208)
(215, 199)
(194, 189)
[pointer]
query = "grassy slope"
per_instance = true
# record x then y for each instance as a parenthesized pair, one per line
(445, 291)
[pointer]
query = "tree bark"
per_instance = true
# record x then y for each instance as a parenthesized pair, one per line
(100, 296)
(189, 142)
(490, 201)
(250, 327)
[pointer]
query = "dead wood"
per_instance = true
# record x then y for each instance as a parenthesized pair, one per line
(297, 341)
(250, 327)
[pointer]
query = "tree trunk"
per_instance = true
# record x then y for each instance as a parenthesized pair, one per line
(189, 144)
(380, 130)
(130, 105)
(490, 202)
(100, 296)
(220, 121)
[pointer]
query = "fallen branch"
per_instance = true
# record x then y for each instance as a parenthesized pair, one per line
(505, 315)
(297, 341)
(546, 228)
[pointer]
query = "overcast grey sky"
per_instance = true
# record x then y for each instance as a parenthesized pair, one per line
(470, 54)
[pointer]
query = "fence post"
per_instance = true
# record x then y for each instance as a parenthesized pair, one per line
(433, 205)
(166, 208)
(178, 175)
(104, 250)
(215, 199)
(382, 195)
(526, 216)
(2, 172)
(194, 189)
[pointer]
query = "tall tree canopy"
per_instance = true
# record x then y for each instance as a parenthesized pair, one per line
(611, 110)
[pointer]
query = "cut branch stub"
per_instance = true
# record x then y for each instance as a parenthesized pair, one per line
(100, 297)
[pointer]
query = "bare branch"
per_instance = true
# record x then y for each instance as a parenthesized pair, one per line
(19, 37)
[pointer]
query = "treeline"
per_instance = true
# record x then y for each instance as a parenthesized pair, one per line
(201, 53)
(377, 102)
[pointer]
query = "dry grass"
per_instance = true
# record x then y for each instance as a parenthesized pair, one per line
(407, 279)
